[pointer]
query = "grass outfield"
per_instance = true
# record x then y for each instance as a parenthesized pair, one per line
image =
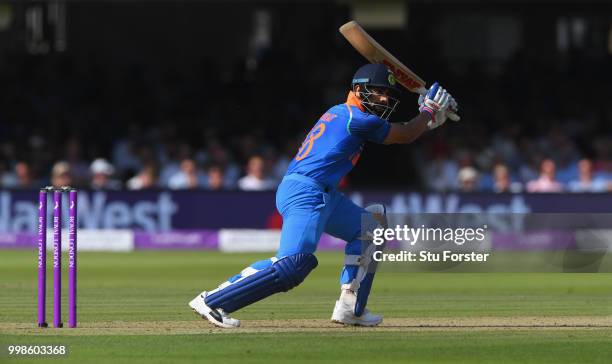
(133, 308)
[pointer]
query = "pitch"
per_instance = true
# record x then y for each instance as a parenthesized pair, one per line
(133, 308)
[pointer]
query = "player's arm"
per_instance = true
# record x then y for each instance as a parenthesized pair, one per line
(433, 113)
(405, 133)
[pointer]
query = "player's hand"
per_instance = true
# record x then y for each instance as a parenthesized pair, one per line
(451, 112)
(453, 108)
(437, 102)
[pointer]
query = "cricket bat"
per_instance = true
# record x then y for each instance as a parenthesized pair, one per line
(375, 53)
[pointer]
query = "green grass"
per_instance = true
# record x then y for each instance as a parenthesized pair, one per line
(423, 347)
(155, 287)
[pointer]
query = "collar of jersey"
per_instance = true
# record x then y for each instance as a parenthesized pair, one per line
(353, 100)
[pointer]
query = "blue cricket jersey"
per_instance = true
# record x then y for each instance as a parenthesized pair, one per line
(333, 146)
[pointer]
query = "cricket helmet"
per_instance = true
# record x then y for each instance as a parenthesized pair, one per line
(372, 78)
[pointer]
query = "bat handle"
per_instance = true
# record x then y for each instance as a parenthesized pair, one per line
(451, 114)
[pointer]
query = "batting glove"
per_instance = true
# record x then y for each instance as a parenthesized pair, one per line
(437, 102)
(451, 112)
(453, 109)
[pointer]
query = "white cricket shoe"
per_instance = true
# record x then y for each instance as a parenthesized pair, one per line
(217, 317)
(344, 312)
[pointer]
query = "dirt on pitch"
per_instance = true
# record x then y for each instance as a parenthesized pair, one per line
(196, 326)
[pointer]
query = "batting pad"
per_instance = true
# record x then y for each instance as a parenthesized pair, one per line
(283, 275)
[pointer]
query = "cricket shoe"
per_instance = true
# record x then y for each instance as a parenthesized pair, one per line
(344, 312)
(217, 317)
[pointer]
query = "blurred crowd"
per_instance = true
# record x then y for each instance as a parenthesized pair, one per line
(506, 164)
(90, 125)
(536, 172)
(212, 170)
(137, 167)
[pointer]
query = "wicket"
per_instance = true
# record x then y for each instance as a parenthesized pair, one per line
(57, 255)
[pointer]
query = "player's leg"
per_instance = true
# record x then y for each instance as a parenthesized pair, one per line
(220, 317)
(293, 262)
(346, 222)
(303, 219)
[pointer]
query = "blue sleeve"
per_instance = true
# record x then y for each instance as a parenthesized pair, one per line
(369, 127)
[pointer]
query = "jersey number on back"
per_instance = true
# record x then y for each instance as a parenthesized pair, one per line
(306, 147)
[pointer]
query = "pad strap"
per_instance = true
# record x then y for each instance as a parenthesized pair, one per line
(352, 259)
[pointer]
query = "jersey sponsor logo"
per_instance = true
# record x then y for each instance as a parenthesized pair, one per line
(328, 117)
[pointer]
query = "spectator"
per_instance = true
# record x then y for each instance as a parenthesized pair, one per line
(20, 178)
(79, 169)
(216, 178)
(220, 156)
(8, 179)
(101, 172)
(174, 164)
(285, 158)
(441, 173)
(529, 161)
(61, 174)
(546, 182)
(145, 179)
(585, 182)
(256, 178)
(502, 181)
(23, 171)
(468, 179)
(124, 151)
(189, 177)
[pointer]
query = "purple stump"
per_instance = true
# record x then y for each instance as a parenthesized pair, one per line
(57, 259)
(42, 257)
(72, 259)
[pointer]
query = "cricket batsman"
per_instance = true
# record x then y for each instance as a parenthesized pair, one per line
(310, 204)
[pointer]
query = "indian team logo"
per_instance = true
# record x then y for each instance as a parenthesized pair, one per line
(391, 79)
